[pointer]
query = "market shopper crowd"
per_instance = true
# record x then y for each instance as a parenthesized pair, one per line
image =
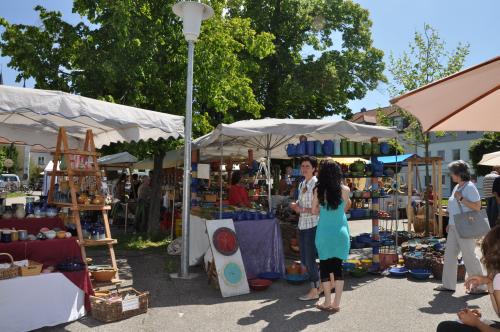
(324, 232)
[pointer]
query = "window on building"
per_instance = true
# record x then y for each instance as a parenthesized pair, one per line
(441, 154)
(399, 123)
(41, 161)
(443, 180)
(456, 154)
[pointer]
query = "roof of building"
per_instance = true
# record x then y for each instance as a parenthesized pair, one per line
(370, 116)
(34, 148)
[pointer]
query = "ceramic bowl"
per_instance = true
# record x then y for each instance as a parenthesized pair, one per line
(259, 284)
(67, 235)
(61, 234)
(420, 274)
(398, 271)
(296, 279)
(50, 235)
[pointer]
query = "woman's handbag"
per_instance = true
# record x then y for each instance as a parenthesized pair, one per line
(472, 224)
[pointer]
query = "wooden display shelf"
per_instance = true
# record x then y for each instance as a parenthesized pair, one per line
(83, 207)
(76, 172)
(95, 243)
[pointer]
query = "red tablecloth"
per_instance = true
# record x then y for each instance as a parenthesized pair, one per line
(32, 225)
(51, 252)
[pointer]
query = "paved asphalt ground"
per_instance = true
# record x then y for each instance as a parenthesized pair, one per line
(371, 304)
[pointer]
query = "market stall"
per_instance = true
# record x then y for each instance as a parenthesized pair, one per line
(75, 126)
(293, 138)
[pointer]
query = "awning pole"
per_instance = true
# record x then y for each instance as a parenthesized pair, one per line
(220, 175)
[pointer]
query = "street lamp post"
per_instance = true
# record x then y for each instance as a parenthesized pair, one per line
(192, 14)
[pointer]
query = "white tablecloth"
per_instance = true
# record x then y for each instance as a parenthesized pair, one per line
(28, 303)
(198, 240)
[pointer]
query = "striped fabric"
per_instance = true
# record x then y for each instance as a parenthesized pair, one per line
(488, 184)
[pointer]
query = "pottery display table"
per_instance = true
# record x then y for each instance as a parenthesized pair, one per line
(51, 253)
(32, 225)
(29, 303)
(259, 240)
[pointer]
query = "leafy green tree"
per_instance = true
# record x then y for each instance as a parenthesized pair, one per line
(426, 61)
(488, 144)
(9, 152)
(133, 52)
(343, 65)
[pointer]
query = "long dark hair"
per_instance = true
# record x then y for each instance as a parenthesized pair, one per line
(491, 250)
(329, 186)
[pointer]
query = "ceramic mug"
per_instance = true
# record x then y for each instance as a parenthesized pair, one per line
(23, 234)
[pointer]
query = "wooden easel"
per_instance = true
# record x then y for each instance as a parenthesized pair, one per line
(75, 177)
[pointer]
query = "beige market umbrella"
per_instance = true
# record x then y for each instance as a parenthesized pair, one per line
(466, 101)
(491, 159)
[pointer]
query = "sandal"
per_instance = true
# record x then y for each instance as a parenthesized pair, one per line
(327, 309)
(444, 289)
(307, 298)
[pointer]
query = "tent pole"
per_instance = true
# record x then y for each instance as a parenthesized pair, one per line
(220, 175)
(186, 188)
(269, 177)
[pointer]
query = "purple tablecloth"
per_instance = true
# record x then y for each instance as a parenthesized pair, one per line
(261, 246)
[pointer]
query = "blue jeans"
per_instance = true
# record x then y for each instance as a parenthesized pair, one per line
(308, 254)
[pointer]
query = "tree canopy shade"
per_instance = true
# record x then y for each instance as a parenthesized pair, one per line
(341, 63)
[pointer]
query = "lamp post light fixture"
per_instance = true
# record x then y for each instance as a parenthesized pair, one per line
(192, 14)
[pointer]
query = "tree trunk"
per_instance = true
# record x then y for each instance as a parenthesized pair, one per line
(156, 186)
(427, 184)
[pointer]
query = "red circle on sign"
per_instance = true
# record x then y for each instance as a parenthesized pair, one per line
(225, 241)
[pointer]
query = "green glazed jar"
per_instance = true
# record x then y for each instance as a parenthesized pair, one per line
(352, 148)
(359, 149)
(343, 146)
(375, 149)
(367, 149)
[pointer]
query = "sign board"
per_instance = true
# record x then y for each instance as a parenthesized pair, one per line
(227, 257)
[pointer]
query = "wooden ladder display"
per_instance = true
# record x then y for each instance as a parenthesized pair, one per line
(75, 177)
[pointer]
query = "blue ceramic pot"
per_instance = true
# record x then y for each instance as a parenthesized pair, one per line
(310, 148)
(291, 150)
(318, 148)
(328, 148)
(301, 149)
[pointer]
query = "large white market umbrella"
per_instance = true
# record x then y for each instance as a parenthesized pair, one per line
(466, 101)
(33, 116)
(273, 135)
(491, 159)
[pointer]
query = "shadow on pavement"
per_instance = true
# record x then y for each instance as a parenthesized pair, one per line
(446, 303)
(280, 316)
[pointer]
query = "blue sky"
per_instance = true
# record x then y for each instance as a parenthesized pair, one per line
(394, 24)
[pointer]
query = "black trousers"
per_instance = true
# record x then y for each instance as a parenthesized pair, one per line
(331, 265)
(453, 326)
(492, 210)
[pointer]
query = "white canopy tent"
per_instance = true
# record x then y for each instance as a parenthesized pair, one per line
(33, 116)
(273, 135)
(174, 158)
(491, 159)
(117, 160)
(465, 101)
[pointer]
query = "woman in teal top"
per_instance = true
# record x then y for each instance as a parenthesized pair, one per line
(331, 201)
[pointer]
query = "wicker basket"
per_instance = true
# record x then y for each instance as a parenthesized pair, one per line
(437, 270)
(105, 311)
(33, 269)
(417, 263)
(10, 272)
